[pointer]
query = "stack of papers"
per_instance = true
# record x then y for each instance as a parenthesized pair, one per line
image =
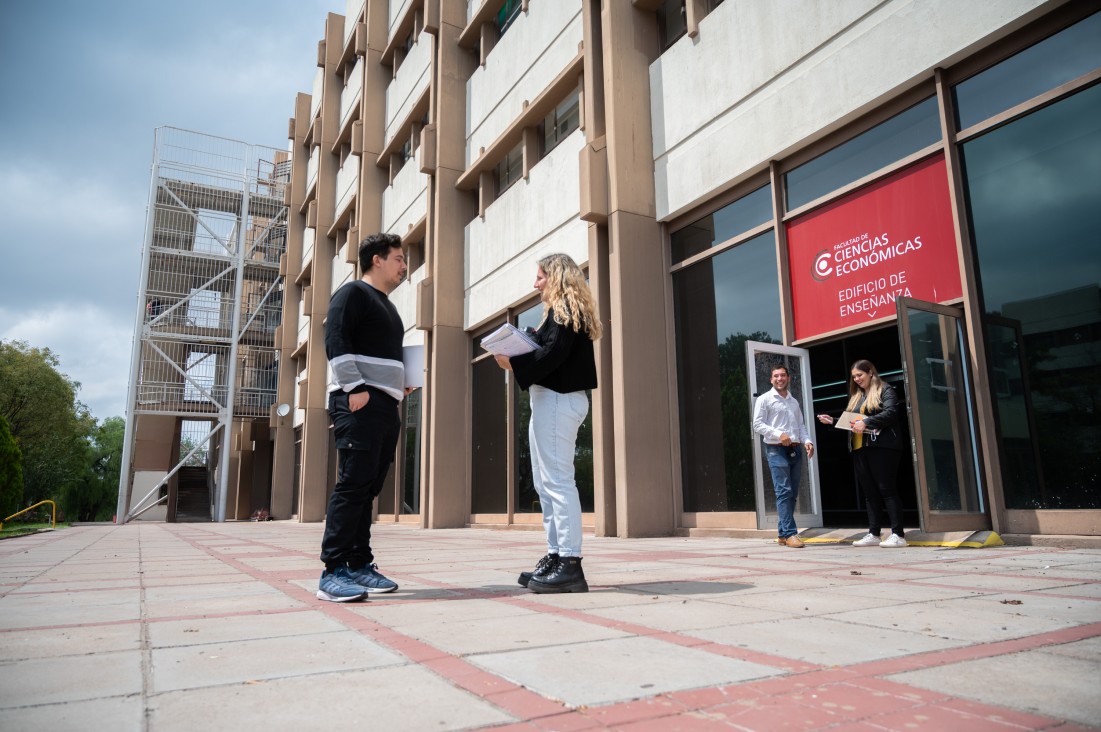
(508, 340)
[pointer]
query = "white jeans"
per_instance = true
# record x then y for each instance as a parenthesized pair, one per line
(552, 434)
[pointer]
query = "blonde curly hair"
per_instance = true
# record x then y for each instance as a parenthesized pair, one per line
(567, 295)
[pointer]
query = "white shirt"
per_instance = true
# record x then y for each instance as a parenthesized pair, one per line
(774, 415)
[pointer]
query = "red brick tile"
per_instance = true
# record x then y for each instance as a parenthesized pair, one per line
(568, 722)
(774, 713)
(924, 696)
(687, 722)
(854, 702)
(937, 718)
(619, 714)
(999, 714)
(525, 704)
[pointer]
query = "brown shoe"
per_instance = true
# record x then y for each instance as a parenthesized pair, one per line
(794, 542)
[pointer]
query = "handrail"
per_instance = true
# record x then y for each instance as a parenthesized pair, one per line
(53, 513)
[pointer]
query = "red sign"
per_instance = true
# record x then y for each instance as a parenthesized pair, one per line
(850, 260)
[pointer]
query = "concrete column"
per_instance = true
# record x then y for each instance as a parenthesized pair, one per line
(446, 416)
(637, 280)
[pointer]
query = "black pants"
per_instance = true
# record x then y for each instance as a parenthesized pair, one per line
(365, 441)
(876, 471)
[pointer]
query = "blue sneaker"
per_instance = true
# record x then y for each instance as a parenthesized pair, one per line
(369, 578)
(338, 586)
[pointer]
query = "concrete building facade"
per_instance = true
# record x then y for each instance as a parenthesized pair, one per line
(744, 181)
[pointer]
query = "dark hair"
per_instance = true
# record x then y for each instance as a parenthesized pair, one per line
(379, 244)
(777, 366)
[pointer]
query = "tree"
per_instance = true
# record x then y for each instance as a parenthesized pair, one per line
(47, 422)
(93, 497)
(11, 472)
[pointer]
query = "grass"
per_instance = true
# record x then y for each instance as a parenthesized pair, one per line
(18, 528)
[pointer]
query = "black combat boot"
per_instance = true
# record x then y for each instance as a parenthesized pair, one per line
(566, 576)
(543, 566)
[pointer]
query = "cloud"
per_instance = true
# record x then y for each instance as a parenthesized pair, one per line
(93, 346)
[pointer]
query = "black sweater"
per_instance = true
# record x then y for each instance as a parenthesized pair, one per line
(363, 337)
(564, 361)
(885, 419)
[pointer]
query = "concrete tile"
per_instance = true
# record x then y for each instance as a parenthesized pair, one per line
(199, 631)
(1087, 650)
(254, 603)
(688, 588)
(517, 629)
(674, 615)
(1000, 583)
(74, 608)
(594, 598)
(410, 616)
(1037, 682)
(808, 602)
(904, 593)
(957, 619)
(70, 678)
(409, 699)
(188, 667)
(245, 587)
(73, 641)
(823, 640)
(111, 713)
(1069, 610)
(616, 670)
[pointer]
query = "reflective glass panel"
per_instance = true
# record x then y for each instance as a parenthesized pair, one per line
(489, 457)
(886, 143)
(725, 224)
(411, 490)
(1033, 189)
(720, 304)
(941, 404)
(1061, 58)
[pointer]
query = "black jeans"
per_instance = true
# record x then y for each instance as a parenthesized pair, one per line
(876, 471)
(365, 441)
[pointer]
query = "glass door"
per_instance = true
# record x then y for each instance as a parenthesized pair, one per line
(760, 359)
(942, 419)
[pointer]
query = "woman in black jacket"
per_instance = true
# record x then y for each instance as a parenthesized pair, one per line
(556, 375)
(876, 448)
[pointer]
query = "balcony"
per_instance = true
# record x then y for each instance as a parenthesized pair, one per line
(406, 201)
(318, 89)
(352, 10)
(347, 180)
(350, 95)
(408, 86)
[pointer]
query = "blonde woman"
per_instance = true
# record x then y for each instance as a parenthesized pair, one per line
(556, 375)
(876, 448)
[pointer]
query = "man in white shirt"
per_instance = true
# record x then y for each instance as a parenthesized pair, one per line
(778, 419)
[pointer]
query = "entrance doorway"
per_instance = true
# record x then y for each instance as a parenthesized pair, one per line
(842, 502)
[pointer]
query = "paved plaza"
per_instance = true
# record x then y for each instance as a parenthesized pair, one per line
(216, 627)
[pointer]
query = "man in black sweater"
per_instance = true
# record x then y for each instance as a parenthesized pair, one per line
(363, 342)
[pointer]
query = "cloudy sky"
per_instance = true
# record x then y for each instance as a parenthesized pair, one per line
(84, 85)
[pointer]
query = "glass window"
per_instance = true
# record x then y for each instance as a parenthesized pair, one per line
(886, 143)
(510, 169)
(1061, 58)
(563, 120)
(1032, 193)
(509, 12)
(672, 22)
(720, 304)
(489, 457)
(723, 225)
(411, 454)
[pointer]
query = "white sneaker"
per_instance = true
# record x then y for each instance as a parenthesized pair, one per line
(893, 540)
(868, 540)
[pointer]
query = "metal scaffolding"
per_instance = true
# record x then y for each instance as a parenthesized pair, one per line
(209, 301)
